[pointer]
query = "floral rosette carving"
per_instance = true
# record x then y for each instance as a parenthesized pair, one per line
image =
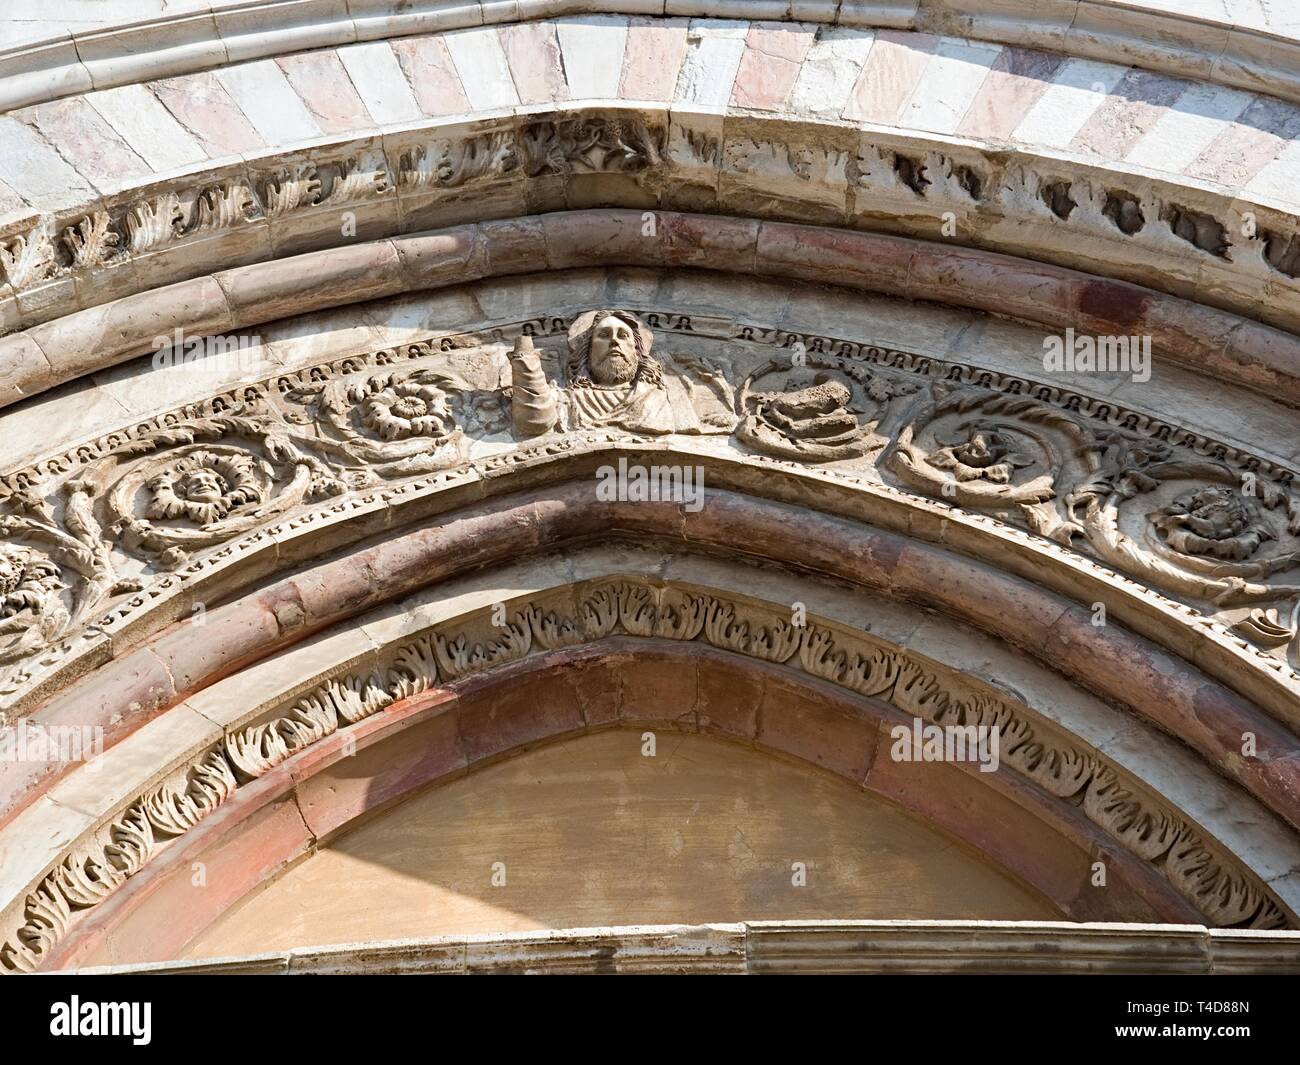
(404, 410)
(32, 612)
(1193, 527)
(192, 497)
(983, 449)
(389, 424)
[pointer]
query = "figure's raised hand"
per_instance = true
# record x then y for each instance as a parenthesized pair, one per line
(533, 401)
(524, 357)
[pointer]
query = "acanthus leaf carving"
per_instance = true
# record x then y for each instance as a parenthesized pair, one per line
(1224, 894)
(291, 188)
(91, 241)
(29, 258)
(151, 223)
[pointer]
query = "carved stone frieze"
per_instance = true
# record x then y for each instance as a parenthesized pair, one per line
(387, 424)
(449, 164)
(1193, 527)
(187, 493)
(599, 145)
(328, 182)
(783, 165)
(56, 568)
(32, 613)
(1181, 513)
(1226, 894)
(982, 448)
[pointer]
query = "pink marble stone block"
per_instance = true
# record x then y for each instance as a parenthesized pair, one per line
(1018, 77)
(79, 132)
(428, 67)
(202, 105)
(770, 65)
(1250, 143)
(325, 89)
(1133, 107)
(652, 58)
(890, 75)
(533, 52)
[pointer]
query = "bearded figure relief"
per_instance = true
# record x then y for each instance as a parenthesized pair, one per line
(205, 487)
(31, 609)
(613, 382)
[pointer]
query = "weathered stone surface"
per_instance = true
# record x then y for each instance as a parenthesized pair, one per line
(271, 105)
(28, 163)
(428, 68)
(533, 52)
(653, 57)
(481, 64)
(379, 80)
(321, 82)
(101, 154)
(406, 430)
(148, 127)
(770, 65)
(592, 48)
(203, 106)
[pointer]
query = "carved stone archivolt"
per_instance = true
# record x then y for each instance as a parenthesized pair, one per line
(179, 499)
(1180, 513)
(1193, 527)
(774, 164)
(1225, 893)
(386, 424)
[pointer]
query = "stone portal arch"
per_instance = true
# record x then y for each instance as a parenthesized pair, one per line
(434, 393)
